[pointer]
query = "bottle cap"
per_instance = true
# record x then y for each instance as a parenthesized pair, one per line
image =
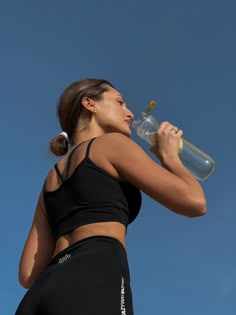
(151, 105)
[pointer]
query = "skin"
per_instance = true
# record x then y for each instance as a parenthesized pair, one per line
(114, 152)
(112, 115)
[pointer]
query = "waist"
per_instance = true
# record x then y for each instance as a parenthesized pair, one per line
(110, 229)
(85, 243)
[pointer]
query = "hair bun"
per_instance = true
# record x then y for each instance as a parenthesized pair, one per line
(59, 144)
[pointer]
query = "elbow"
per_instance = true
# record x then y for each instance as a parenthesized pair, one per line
(198, 209)
(24, 280)
(24, 284)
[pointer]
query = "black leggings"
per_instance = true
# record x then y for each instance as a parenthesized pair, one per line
(90, 277)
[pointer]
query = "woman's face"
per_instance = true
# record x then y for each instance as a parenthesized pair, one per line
(112, 115)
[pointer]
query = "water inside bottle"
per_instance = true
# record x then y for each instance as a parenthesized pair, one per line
(145, 133)
(196, 161)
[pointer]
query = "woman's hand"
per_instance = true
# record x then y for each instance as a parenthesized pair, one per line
(166, 142)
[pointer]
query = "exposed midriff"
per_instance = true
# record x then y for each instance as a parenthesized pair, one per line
(112, 229)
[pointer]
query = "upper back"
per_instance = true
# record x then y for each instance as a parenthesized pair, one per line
(90, 149)
(85, 188)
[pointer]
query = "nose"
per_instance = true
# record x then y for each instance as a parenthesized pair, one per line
(129, 114)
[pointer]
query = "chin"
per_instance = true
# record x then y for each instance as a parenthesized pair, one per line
(127, 133)
(124, 131)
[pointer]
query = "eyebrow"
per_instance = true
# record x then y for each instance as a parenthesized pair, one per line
(121, 97)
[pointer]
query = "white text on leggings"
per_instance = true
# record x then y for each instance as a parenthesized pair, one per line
(122, 302)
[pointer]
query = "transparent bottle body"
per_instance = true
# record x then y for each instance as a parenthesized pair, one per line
(195, 160)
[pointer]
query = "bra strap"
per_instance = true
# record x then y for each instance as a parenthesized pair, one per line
(58, 173)
(88, 148)
(70, 156)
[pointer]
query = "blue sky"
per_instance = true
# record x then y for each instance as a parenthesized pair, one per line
(181, 53)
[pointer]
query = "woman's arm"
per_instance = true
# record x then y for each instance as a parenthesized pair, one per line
(172, 185)
(38, 249)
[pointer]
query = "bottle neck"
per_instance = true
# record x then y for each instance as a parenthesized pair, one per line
(137, 122)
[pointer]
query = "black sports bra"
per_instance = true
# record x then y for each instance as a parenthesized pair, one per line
(90, 195)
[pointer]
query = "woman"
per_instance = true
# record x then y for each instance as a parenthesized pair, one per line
(74, 260)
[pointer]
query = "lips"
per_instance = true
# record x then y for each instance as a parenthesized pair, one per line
(128, 122)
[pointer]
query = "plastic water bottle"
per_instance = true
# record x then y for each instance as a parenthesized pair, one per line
(195, 160)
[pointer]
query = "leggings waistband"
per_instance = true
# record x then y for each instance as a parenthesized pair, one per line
(83, 242)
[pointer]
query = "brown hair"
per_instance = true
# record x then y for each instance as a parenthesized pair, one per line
(69, 108)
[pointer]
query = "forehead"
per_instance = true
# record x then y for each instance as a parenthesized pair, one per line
(114, 93)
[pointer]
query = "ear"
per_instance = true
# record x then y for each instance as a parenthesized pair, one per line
(88, 104)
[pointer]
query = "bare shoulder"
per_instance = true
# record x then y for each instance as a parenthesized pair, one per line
(117, 145)
(127, 158)
(103, 149)
(112, 147)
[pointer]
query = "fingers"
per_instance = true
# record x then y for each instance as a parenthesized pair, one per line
(174, 130)
(168, 128)
(167, 140)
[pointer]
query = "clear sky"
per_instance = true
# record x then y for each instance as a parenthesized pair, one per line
(181, 53)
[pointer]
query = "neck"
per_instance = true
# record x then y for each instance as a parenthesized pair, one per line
(86, 134)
